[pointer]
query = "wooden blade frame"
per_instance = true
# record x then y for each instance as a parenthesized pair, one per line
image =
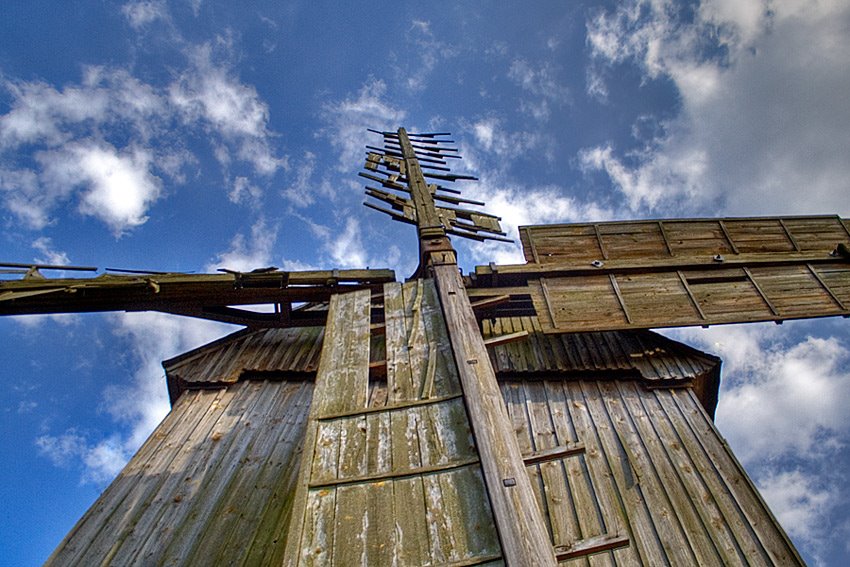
(205, 296)
(672, 273)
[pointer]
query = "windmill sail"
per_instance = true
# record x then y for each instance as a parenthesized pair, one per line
(679, 272)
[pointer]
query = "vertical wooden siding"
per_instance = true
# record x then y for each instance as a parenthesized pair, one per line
(392, 473)
(215, 480)
(631, 476)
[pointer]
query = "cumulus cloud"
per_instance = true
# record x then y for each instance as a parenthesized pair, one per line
(117, 187)
(48, 254)
(346, 250)
(348, 119)
(108, 143)
(800, 503)
(208, 93)
(248, 252)
(764, 124)
(491, 137)
(101, 460)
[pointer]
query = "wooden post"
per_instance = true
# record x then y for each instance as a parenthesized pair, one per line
(522, 530)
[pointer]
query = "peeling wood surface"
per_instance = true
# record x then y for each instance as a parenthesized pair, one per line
(644, 479)
(392, 474)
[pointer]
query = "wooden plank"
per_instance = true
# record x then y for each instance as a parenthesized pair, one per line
(665, 524)
(589, 546)
(578, 242)
(170, 497)
(731, 517)
(761, 292)
(825, 287)
(521, 528)
(504, 339)
(391, 407)
(344, 360)
(552, 454)
(616, 287)
(766, 530)
(276, 491)
(614, 471)
(345, 354)
(689, 471)
(237, 452)
(125, 497)
(558, 504)
(395, 473)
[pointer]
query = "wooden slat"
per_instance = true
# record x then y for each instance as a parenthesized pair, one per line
(680, 237)
(693, 297)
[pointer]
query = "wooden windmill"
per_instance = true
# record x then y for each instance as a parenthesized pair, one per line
(520, 414)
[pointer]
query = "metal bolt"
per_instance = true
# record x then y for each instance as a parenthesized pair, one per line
(509, 482)
(597, 263)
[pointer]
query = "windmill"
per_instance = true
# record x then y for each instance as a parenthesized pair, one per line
(520, 414)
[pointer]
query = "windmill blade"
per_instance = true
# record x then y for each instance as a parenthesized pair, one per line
(673, 273)
(208, 296)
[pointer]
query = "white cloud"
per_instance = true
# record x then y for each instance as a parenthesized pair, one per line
(764, 125)
(65, 128)
(540, 81)
(346, 250)
(429, 52)
(301, 192)
(47, 253)
(117, 187)
(801, 505)
(106, 143)
(140, 13)
(490, 135)
(347, 122)
(208, 93)
(798, 392)
(244, 192)
(248, 253)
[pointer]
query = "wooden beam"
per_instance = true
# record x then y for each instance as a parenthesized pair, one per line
(522, 529)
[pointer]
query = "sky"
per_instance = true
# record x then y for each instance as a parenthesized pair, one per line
(189, 135)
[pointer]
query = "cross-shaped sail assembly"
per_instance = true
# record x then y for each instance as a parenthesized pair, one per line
(412, 164)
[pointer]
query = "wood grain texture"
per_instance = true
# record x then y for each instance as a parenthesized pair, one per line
(393, 475)
(654, 485)
(522, 531)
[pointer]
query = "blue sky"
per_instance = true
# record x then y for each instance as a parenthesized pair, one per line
(191, 135)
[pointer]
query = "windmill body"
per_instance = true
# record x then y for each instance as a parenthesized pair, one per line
(520, 414)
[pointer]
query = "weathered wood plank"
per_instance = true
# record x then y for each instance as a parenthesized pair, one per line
(344, 360)
(118, 502)
(242, 450)
(769, 534)
(521, 527)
